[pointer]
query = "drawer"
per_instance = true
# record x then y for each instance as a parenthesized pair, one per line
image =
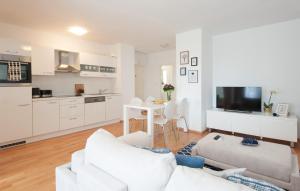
(72, 110)
(71, 101)
(71, 122)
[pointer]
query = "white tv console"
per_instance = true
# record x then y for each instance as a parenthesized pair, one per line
(256, 123)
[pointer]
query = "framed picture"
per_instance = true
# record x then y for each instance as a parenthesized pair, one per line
(194, 61)
(184, 57)
(182, 71)
(282, 109)
(193, 76)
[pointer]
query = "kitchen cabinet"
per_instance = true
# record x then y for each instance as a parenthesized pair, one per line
(15, 47)
(94, 110)
(15, 113)
(42, 60)
(45, 116)
(113, 107)
(71, 113)
(94, 65)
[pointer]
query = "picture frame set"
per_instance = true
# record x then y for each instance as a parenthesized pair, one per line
(184, 60)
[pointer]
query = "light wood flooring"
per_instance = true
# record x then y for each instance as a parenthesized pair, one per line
(31, 167)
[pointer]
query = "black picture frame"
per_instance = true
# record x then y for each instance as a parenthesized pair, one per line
(194, 61)
(193, 76)
(182, 71)
(184, 57)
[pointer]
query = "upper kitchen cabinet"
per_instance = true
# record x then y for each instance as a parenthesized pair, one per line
(14, 47)
(42, 60)
(95, 65)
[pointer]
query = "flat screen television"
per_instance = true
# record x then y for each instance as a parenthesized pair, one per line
(245, 99)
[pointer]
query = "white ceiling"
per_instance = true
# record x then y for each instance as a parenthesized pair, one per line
(146, 24)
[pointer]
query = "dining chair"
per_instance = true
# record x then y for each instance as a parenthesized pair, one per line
(180, 113)
(168, 115)
(149, 100)
(136, 114)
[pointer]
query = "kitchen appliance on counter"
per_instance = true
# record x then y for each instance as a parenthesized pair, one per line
(79, 89)
(36, 92)
(15, 70)
(46, 93)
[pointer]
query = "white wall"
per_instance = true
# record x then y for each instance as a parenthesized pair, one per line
(64, 83)
(267, 56)
(140, 61)
(152, 71)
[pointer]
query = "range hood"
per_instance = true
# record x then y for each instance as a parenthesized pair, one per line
(67, 62)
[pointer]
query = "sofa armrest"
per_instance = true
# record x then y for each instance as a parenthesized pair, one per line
(139, 139)
(90, 178)
(77, 160)
(65, 178)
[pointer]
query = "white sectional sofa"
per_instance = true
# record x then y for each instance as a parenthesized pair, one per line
(117, 164)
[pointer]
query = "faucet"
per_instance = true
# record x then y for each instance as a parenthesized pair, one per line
(103, 91)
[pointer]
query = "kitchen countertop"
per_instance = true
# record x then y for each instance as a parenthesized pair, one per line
(58, 97)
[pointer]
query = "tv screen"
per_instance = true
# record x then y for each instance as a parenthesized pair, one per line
(246, 99)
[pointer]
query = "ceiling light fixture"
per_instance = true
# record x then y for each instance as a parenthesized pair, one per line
(77, 30)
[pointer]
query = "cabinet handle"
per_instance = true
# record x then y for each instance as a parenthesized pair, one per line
(72, 107)
(74, 118)
(23, 105)
(52, 102)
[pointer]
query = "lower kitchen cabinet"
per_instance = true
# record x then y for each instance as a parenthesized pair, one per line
(113, 107)
(71, 122)
(71, 113)
(45, 116)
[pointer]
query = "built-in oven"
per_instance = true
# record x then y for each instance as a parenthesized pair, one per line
(15, 69)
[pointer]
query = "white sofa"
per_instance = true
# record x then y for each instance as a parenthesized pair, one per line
(116, 164)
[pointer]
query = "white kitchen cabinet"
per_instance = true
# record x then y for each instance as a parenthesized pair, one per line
(71, 113)
(15, 47)
(113, 107)
(94, 113)
(42, 60)
(15, 113)
(45, 116)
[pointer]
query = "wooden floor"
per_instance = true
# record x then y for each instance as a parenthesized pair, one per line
(32, 166)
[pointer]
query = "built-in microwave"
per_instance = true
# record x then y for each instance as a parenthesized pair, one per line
(15, 69)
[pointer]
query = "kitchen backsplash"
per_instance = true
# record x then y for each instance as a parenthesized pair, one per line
(64, 83)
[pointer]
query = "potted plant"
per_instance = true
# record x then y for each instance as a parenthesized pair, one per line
(268, 106)
(168, 88)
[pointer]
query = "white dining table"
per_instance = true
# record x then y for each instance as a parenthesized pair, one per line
(150, 108)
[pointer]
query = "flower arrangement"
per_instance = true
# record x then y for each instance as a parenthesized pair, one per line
(268, 106)
(168, 88)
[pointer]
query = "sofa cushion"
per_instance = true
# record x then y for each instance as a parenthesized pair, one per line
(90, 178)
(138, 168)
(185, 178)
(268, 159)
(139, 139)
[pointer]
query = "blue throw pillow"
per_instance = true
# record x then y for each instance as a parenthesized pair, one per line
(190, 161)
(258, 185)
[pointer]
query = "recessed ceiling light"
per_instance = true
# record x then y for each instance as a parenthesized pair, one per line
(26, 48)
(77, 30)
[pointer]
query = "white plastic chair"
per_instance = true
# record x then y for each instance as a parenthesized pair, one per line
(169, 114)
(149, 100)
(136, 114)
(181, 111)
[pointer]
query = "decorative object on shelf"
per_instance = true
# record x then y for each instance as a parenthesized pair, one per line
(282, 109)
(182, 71)
(194, 61)
(79, 89)
(193, 76)
(168, 88)
(184, 57)
(268, 106)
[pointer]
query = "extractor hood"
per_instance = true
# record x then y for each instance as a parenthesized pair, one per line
(67, 62)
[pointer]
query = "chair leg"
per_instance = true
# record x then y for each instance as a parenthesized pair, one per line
(186, 124)
(164, 134)
(143, 124)
(173, 129)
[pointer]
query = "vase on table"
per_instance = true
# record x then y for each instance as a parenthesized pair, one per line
(169, 95)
